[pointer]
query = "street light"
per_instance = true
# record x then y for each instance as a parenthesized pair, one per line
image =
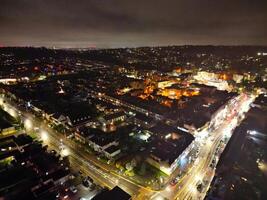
(28, 124)
(44, 136)
(65, 152)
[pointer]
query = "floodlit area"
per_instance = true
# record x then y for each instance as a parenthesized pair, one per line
(65, 152)
(28, 124)
(44, 135)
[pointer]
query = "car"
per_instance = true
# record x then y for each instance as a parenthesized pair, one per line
(200, 187)
(174, 181)
(86, 183)
(73, 189)
(57, 195)
(89, 179)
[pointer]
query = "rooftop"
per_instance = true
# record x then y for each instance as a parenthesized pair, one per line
(114, 115)
(116, 193)
(112, 149)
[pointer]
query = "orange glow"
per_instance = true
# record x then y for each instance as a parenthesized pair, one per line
(143, 96)
(177, 94)
(167, 103)
(178, 70)
(224, 76)
(149, 89)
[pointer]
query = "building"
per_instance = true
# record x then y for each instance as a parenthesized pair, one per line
(168, 147)
(83, 134)
(99, 144)
(113, 118)
(116, 193)
(112, 151)
(143, 120)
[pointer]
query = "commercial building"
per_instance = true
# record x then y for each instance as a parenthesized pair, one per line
(168, 147)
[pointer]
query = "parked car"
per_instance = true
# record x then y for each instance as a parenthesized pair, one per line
(174, 181)
(73, 189)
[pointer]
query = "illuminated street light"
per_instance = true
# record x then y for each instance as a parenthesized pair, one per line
(117, 181)
(28, 124)
(159, 198)
(65, 152)
(44, 136)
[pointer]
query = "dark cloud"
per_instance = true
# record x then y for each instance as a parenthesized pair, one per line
(113, 23)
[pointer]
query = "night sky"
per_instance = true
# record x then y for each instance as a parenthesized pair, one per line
(122, 23)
